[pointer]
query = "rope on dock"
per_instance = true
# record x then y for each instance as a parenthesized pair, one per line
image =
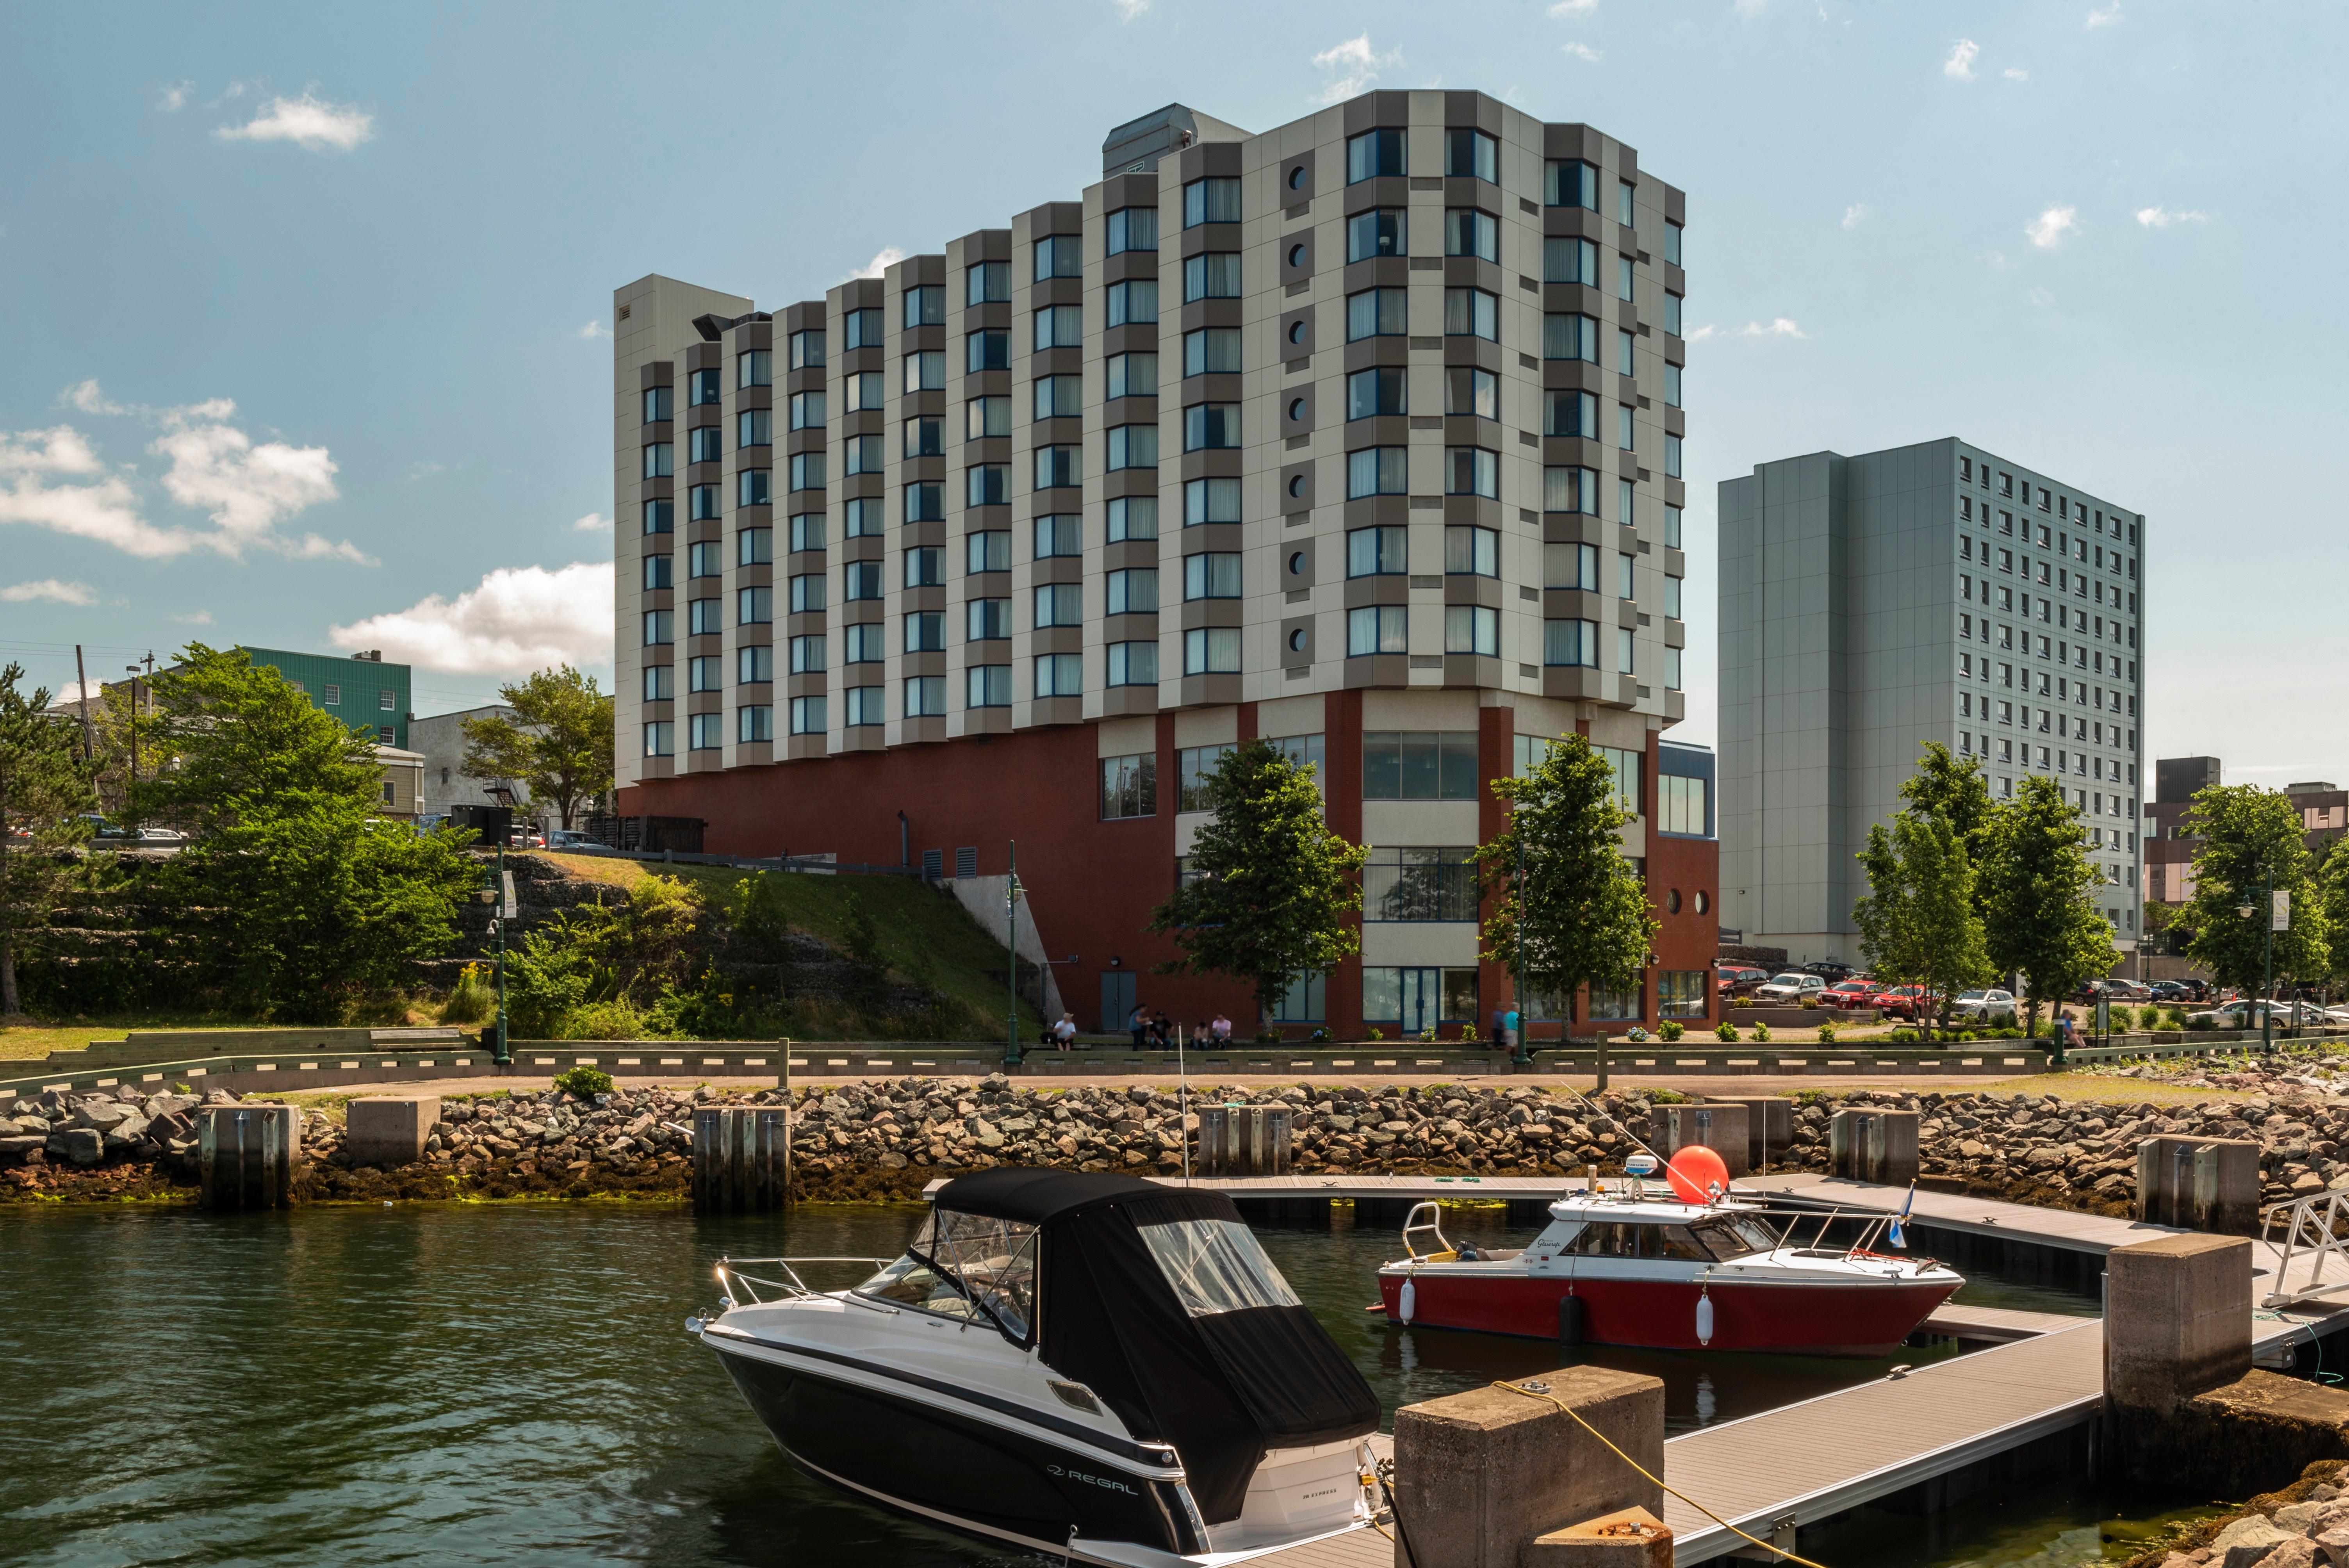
(1635, 1464)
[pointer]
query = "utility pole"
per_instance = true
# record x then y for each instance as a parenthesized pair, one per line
(81, 684)
(500, 900)
(2267, 969)
(132, 670)
(1518, 1054)
(1012, 957)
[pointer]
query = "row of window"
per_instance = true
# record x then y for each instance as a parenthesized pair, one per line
(2060, 505)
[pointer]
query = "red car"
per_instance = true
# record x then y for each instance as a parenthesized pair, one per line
(1738, 980)
(1901, 1001)
(1847, 994)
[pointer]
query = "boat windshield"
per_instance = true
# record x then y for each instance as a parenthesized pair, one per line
(1734, 1235)
(966, 1266)
(1630, 1239)
(1216, 1266)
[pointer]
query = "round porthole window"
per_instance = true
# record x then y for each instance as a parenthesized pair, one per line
(1704, 902)
(1295, 409)
(1297, 563)
(1297, 487)
(1673, 901)
(1297, 641)
(1297, 178)
(1297, 331)
(1297, 254)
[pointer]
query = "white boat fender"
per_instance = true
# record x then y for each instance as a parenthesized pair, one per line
(1409, 1303)
(1704, 1317)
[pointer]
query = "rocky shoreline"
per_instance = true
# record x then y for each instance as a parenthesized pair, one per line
(857, 1142)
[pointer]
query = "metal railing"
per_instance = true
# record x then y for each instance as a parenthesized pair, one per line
(2311, 1230)
(730, 1274)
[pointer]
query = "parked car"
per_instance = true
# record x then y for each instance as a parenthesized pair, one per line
(1846, 993)
(1828, 969)
(2245, 1014)
(1901, 1001)
(160, 838)
(101, 831)
(566, 838)
(1992, 1007)
(2174, 991)
(526, 838)
(1790, 988)
(1738, 979)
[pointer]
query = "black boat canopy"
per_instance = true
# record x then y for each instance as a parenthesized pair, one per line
(1159, 1300)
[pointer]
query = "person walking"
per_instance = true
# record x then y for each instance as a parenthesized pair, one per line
(1137, 1023)
(1501, 1027)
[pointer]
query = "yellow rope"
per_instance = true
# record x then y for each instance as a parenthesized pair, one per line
(1635, 1464)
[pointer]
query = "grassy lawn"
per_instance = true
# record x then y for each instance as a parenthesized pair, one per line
(36, 1040)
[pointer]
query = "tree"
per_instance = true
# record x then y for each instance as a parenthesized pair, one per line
(2333, 888)
(1272, 885)
(558, 743)
(1580, 907)
(2248, 833)
(1959, 794)
(43, 790)
(1918, 924)
(239, 740)
(2037, 888)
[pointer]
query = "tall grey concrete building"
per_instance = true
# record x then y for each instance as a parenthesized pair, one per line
(1362, 435)
(1872, 604)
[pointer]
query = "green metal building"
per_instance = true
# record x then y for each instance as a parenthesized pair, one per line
(361, 690)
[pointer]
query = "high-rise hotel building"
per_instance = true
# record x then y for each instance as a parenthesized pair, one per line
(1362, 436)
(1933, 593)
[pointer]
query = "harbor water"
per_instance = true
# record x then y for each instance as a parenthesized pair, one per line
(509, 1384)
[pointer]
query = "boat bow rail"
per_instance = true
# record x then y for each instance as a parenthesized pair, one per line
(789, 1288)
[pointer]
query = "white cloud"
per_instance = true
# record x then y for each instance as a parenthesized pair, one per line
(86, 397)
(49, 588)
(2048, 228)
(1960, 66)
(1777, 327)
(200, 618)
(60, 450)
(2105, 15)
(1749, 9)
(517, 620)
(2162, 217)
(592, 330)
(593, 522)
(1352, 66)
(884, 258)
(172, 96)
(423, 468)
(2015, 74)
(248, 490)
(1565, 9)
(308, 122)
(1855, 214)
(1132, 10)
(1580, 51)
(105, 509)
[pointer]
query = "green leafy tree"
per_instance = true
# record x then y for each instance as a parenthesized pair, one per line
(2038, 889)
(2332, 892)
(1918, 924)
(1563, 885)
(1956, 790)
(301, 907)
(1273, 884)
(44, 790)
(558, 744)
(2248, 833)
(240, 739)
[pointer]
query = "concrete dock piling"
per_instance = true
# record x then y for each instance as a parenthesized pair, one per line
(2201, 1183)
(1242, 1140)
(390, 1130)
(740, 1158)
(1487, 1478)
(1769, 1127)
(246, 1153)
(1874, 1146)
(1720, 1126)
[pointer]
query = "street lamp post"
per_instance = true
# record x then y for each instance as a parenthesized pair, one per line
(497, 896)
(1518, 1053)
(1011, 958)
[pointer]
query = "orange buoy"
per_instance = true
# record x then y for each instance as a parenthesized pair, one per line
(1694, 1172)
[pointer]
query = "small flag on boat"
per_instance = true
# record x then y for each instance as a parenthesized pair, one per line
(1897, 1236)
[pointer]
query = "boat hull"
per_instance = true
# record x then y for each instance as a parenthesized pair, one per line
(998, 1482)
(1867, 1319)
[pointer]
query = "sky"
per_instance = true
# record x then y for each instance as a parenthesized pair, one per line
(305, 310)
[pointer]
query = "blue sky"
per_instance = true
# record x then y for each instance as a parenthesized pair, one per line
(303, 304)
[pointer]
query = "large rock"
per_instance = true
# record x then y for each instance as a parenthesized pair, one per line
(103, 1114)
(2248, 1540)
(15, 1145)
(82, 1145)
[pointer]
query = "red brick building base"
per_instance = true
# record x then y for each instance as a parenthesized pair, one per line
(1093, 884)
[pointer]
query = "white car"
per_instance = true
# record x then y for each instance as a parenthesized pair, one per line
(1985, 1006)
(1790, 988)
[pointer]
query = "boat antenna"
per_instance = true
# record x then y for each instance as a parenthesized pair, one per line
(1182, 1105)
(1634, 1137)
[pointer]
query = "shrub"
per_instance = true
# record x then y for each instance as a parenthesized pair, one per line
(584, 1082)
(2176, 1017)
(1762, 1033)
(1812, 1002)
(1741, 1001)
(472, 999)
(2200, 1021)
(1374, 1032)
(1666, 1096)
(1637, 1036)
(1321, 1035)
(1468, 1034)
(1827, 1031)
(1902, 1038)
(1672, 1029)
(619, 1019)
(1727, 1032)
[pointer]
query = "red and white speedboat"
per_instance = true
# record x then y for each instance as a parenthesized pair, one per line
(1630, 1268)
